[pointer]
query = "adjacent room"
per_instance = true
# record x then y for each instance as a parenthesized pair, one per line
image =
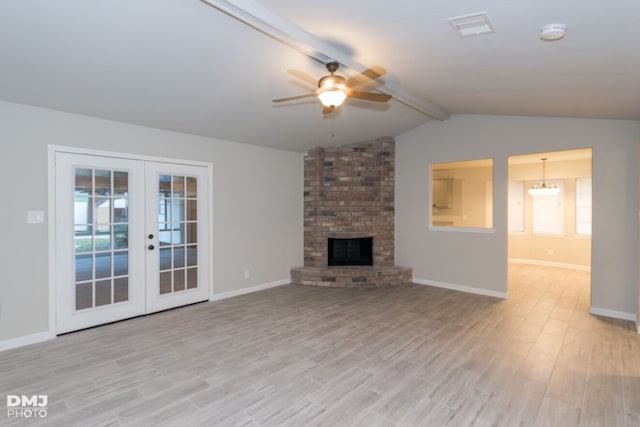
(272, 213)
(549, 217)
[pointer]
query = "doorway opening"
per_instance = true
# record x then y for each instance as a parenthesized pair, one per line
(549, 231)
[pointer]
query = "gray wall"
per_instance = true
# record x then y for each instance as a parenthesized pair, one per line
(478, 260)
(257, 204)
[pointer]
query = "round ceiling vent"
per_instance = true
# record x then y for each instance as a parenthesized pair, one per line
(553, 32)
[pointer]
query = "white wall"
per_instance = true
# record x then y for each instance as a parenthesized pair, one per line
(479, 260)
(257, 204)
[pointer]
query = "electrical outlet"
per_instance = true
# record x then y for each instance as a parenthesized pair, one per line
(247, 274)
(35, 217)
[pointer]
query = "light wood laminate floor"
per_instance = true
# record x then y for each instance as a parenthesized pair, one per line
(303, 356)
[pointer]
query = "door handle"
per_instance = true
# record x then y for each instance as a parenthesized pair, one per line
(151, 247)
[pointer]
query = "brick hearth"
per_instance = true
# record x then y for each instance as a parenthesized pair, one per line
(349, 192)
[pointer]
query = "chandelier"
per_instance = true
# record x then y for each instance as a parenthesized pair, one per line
(543, 188)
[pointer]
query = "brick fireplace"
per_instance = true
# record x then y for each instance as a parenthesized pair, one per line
(349, 193)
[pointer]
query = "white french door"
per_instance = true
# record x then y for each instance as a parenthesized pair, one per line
(177, 218)
(131, 238)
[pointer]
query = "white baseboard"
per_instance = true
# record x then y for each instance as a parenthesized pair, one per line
(549, 264)
(461, 288)
(614, 314)
(26, 340)
(230, 294)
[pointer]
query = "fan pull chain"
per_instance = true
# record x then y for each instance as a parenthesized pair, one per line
(333, 126)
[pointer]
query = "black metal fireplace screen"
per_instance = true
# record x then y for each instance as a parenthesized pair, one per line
(351, 251)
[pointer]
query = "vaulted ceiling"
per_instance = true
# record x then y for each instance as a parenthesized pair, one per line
(187, 66)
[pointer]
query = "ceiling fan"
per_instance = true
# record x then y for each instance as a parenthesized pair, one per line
(333, 89)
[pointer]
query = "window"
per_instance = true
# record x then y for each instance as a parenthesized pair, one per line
(515, 211)
(462, 194)
(548, 212)
(583, 206)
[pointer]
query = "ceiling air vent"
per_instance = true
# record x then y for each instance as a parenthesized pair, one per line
(474, 24)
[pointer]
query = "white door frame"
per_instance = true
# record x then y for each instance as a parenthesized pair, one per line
(51, 223)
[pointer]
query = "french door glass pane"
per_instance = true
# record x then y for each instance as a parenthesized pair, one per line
(84, 182)
(103, 182)
(192, 208)
(178, 186)
(83, 239)
(101, 237)
(121, 263)
(121, 289)
(84, 295)
(103, 292)
(120, 209)
(192, 187)
(120, 236)
(103, 265)
(192, 278)
(177, 210)
(165, 282)
(84, 267)
(178, 280)
(192, 255)
(178, 257)
(120, 183)
(165, 258)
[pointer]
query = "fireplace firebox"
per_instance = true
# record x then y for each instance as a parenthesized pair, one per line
(350, 251)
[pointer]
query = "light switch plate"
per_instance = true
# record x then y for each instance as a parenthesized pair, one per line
(35, 217)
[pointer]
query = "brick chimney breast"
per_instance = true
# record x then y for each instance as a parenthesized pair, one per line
(349, 192)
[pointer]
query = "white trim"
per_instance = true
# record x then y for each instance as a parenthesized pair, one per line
(26, 340)
(462, 229)
(230, 294)
(612, 313)
(128, 156)
(461, 288)
(51, 191)
(210, 236)
(549, 264)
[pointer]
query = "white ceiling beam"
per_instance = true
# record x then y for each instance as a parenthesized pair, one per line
(266, 21)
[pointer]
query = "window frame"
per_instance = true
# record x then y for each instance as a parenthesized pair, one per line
(560, 212)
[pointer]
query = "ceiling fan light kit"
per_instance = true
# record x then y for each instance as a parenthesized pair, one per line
(332, 88)
(332, 97)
